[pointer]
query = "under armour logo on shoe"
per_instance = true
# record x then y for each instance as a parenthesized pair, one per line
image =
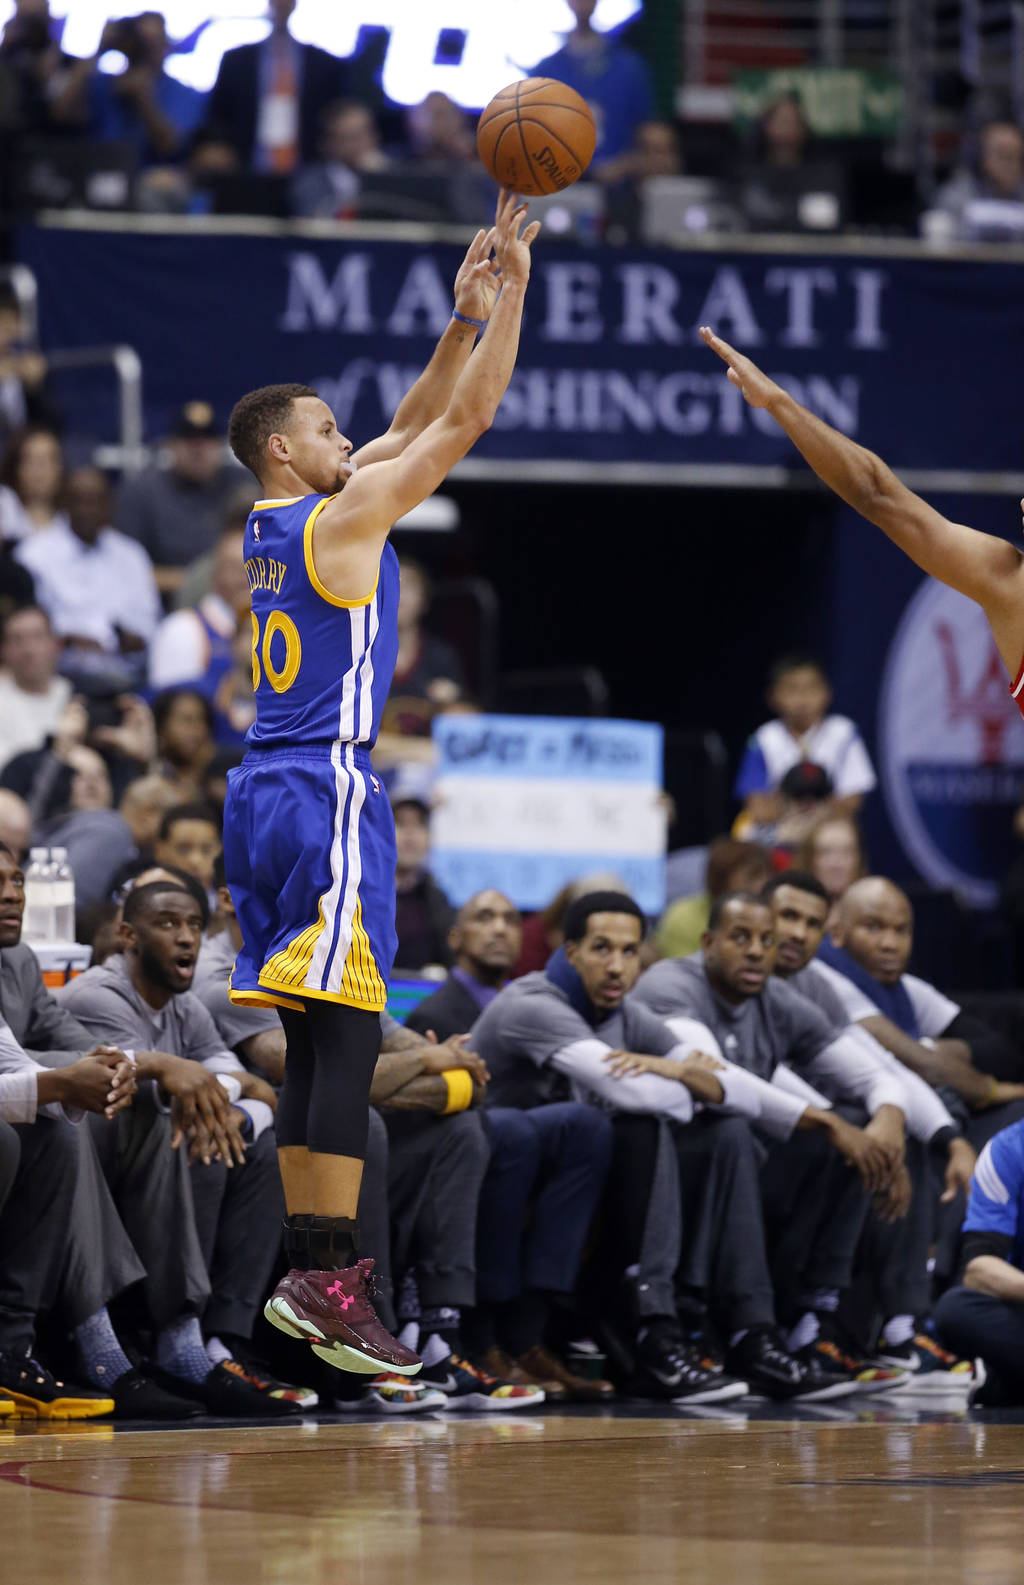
(344, 1299)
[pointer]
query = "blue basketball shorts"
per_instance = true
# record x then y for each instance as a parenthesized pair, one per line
(309, 852)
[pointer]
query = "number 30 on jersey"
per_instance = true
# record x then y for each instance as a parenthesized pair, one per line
(278, 626)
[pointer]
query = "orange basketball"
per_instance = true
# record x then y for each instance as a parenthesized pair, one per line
(536, 137)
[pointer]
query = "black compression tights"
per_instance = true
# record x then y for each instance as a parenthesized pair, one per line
(325, 1099)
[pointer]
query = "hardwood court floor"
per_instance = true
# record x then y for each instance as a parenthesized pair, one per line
(555, 1499)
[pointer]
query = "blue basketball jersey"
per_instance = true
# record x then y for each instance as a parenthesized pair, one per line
(322, 667)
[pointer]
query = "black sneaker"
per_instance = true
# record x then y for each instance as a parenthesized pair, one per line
(37, 1395)
(137, 1398)
(233, 1392)
(669, 1370)
(760, 1359)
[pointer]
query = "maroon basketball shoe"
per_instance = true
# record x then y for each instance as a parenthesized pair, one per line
(332, 1310)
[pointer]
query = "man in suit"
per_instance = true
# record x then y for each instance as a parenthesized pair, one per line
(485, 939)
(269, 98)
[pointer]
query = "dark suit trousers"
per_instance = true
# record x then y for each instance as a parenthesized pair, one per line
(150, 1186)
(435, 1168)
(977, 1325)
(239, 1214)
(39, 1167)
(546, 1176)
(814, 1211)
(723, 1259)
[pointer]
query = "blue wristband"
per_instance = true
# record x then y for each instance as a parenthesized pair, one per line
(464, 319)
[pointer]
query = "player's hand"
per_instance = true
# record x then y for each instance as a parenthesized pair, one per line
(452, 1053)
(756, 387)
(479, 279)
(102, 1081)
(511, 250)
(893, 1203)
(200, 1097)
(960, 1165)
(886, 1128)
(870, 1159)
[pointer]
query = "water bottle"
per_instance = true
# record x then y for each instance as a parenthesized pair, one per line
(62, 880)
(40, 920)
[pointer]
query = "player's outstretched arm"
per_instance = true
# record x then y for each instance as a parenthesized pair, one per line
(476, 291)
(351, 529)
(985, 568)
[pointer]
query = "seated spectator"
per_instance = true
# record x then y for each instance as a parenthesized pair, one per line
(788, 185)
(615, 82)
(894, 1250)
(198, 579)
(542, 932)
(95, 836)
(423, 914)
(15, 823)
(190, 839)
(234, 703)
(578, 1025)
(985, 201)
(32, 696)
(732, 867)
(147, 1178)
(983, 1318)
(485, 940)
(95, 584)
(833, 851)
(541, 1188)
(142, 105)
(143, 805)
(803, 731)
(869, 949)
(32, 476)
(814, 1207)
(17, 586)
(269, 98)
(442, 143)
(196, 646)
(43, 777)
(185, 741)
(37, 66)
(214, 789)
(349, 147)
(23, 371)
(143, 998)
(428, 672)
(174, 511)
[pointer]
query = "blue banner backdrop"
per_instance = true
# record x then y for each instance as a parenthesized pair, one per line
(895, 351)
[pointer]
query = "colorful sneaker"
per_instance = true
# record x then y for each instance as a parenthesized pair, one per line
(930, 1367)
(332, 1310)
(833, 1360)
(393, 1395)
(467, 1387)
(36, 1394)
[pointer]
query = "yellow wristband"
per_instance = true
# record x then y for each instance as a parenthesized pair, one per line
(459, 1084)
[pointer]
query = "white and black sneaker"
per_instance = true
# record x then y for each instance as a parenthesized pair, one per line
(772, 1372)
(668, 1369)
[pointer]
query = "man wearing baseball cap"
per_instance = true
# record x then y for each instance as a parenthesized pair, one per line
(174, 507)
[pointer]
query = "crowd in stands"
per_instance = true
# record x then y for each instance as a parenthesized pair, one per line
(288, 129)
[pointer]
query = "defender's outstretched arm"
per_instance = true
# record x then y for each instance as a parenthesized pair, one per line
(985, 568)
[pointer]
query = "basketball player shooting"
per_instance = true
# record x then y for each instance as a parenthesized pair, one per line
(984, 568)
(308, 835)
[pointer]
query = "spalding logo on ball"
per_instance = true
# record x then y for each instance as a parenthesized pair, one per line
(536, 137)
